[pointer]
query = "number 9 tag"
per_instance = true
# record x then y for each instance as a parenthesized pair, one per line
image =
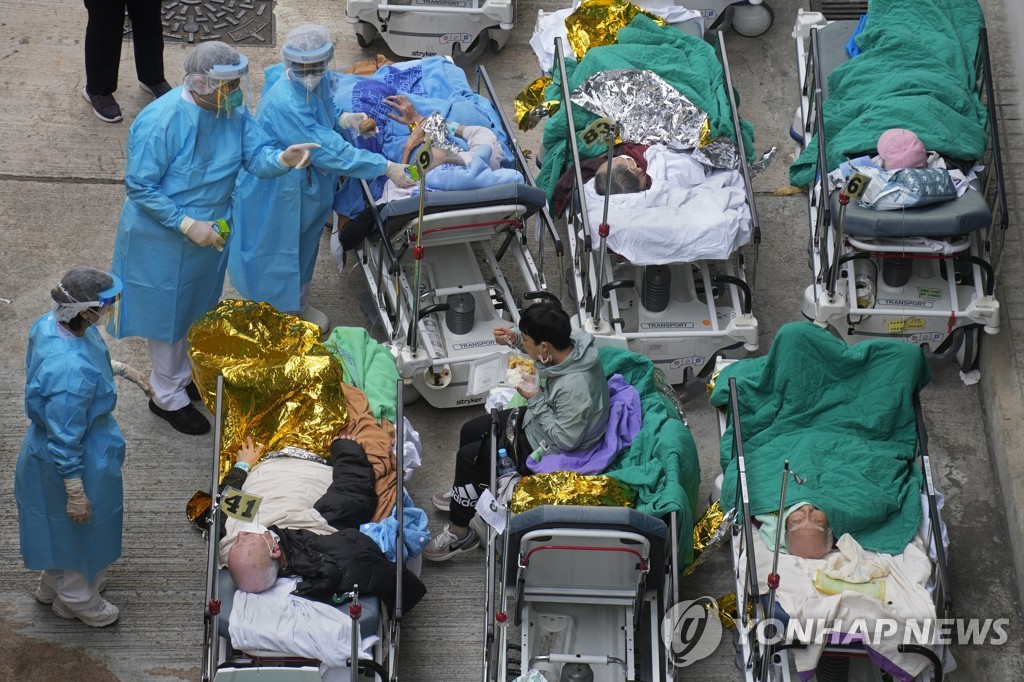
(240, 505)
(423, 159)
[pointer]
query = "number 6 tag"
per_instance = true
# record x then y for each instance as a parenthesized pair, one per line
(856, 185)
(240, 505)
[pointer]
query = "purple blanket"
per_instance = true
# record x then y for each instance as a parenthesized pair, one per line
(623, 425)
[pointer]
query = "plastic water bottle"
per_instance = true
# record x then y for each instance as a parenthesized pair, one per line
(505, 464)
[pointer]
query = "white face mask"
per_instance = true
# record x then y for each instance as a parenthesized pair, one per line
(252, 527)
(310, 81)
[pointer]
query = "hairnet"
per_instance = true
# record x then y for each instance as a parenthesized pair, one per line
(79, 289)
(200, 61)
(305, 38)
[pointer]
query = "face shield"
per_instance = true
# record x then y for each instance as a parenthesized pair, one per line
(225, 87)
(106, 305)
(308, 67)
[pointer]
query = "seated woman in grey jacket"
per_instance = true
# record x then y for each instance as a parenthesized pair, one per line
(567, 412)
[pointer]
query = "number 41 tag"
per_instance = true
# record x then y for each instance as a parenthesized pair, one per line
(240, 505)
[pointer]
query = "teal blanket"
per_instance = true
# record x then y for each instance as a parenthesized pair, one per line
(844, 418)
(661, 465)
(688, 64)
(368, 366)
(915, 71)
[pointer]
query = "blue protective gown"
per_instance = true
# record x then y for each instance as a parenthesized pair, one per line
(69, 397)
(182, 160)
(280, 222)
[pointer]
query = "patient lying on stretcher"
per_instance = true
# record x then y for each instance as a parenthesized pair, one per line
(452, 168)
(308, 527)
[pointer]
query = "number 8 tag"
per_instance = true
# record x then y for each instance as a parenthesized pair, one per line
(240, 505)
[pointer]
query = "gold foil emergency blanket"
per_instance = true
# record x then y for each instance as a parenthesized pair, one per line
(568, 487)
(597, 22)
(531, 106)
(728, 612)
(710, 531)
(650, 111)
(281, 385)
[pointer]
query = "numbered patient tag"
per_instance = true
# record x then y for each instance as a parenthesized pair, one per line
(597, 131)
(856, 185)
(240, 505)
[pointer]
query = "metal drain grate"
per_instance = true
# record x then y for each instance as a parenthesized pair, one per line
(243, 22)
(840, 9)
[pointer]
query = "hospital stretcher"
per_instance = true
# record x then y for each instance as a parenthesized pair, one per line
(925, 275)
(224, 663)
(764, 654)
(681, 315)
(464, 29)
(441, 285)
(583, 585)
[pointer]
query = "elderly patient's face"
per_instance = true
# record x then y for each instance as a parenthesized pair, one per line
(630, 164)
(253, 561)
(807, 533)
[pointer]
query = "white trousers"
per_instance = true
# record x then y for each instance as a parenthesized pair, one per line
(303, 297)
(73, 589)
(172, 371)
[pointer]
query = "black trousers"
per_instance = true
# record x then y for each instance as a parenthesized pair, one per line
(473, 462)
(104, 35)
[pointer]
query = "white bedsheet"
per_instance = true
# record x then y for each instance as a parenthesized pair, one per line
(278, 621)
(687, 215)
(551, 25)
(906, 596)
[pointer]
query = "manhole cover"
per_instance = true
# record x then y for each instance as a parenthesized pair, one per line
(245, 22)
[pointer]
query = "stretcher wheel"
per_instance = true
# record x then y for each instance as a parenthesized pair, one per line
(753, 20)
(496, 47)
(967, 349)
(362, 41)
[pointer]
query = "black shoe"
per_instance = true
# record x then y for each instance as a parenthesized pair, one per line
(104, 106)
(193, 392)
(187, 419)
(158, 90)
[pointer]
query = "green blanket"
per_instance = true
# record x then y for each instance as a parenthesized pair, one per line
(368, 366)
(661, 465)
(688, 64)
(916, 71)
(844, 418)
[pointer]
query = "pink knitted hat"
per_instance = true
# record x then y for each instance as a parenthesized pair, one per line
(901, 148)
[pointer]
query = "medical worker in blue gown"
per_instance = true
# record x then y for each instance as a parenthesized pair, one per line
(68, 478)
(280, 221)
(184, 154)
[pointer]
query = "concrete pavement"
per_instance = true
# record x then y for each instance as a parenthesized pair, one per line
(61, 191)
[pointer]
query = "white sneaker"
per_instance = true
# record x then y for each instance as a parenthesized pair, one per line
(101, 616)
(317, 317)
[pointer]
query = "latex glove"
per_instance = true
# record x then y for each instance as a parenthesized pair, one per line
(297, 155)
(122, 369)
(396, 174)
(201, 233)
(366, 126)
(79, 509)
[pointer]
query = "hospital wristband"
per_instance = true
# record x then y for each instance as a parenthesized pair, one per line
(452, 127)
(243, 466)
